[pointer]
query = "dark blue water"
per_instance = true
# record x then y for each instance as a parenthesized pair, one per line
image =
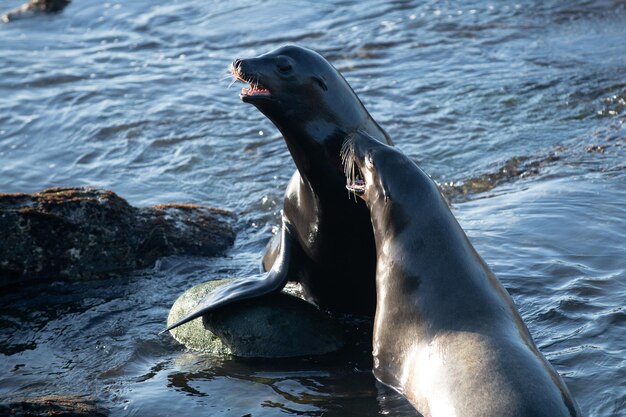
(135, 97)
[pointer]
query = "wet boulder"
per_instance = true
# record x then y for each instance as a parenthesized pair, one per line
(276, 326)
(77, 233)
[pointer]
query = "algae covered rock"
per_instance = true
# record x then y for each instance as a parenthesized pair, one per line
(193, 334)
(276, 326)
(53, 405)
(35, 6)
(74, 233)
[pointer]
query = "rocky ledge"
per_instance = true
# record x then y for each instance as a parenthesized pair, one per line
(35, 6)
(53, 405)
(78, 233)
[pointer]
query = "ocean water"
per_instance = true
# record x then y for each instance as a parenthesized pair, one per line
(136, 97)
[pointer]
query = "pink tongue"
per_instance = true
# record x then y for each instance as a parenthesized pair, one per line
(357, 184)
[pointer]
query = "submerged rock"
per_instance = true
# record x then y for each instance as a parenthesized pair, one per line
(76, 233)
(53, 405)
(193, 334)
(276, 326)
(36, 6)
(512, 169)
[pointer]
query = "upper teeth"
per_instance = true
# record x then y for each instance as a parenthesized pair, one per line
(254, 89)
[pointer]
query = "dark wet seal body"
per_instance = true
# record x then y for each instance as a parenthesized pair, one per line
(447, 334)
(325, 242)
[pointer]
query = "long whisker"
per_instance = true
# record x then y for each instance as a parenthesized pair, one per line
(229, 74)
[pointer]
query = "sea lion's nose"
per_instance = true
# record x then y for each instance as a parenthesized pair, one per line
(237, 63)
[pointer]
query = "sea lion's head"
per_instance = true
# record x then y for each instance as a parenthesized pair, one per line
(375, 171)
(394, 188)
(361, 156)
(288, 73)
(300, 91)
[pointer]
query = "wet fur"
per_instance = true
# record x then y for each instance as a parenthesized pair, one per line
(446, 334)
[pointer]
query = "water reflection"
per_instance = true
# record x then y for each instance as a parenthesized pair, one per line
(297, 387)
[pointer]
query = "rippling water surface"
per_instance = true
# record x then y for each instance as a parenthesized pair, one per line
(135, 97)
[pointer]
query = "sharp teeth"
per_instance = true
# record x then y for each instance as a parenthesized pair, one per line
(254, 89)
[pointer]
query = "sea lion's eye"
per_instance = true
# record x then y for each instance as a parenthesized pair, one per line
(284, 66)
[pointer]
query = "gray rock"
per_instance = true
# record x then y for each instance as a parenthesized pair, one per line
(193, 334)
(75, 233)
(276, 326)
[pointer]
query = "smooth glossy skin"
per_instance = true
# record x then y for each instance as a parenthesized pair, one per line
(447, 334)
(331, 245)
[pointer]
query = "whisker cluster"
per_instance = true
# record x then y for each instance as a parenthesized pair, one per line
(254, 80)
(236, 72)
(347, 160)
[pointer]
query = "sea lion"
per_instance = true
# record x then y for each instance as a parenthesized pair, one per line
(446, 333)
(324, 242)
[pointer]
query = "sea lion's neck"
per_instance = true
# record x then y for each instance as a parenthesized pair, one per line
(444, 266)
(417, 224)
(315, 147)
(426, 261)
(410, 199)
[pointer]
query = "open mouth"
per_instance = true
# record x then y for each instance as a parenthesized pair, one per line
(256, 89)
(357, 186)
(354, 177)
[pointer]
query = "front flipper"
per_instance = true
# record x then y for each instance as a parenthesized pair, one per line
(244, 288)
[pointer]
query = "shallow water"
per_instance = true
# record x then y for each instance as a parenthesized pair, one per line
(135, 97)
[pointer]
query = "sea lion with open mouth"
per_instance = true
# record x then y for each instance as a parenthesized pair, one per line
(324, 243)
(446, 333)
